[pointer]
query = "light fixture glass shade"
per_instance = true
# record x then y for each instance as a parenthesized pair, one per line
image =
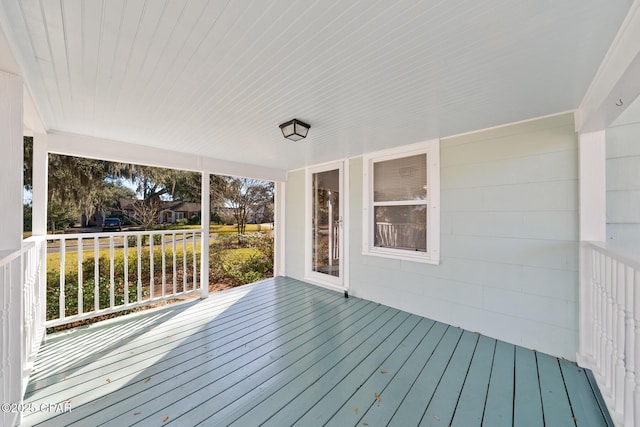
(294, 130)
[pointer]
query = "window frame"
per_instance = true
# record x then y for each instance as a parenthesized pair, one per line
(431, 149)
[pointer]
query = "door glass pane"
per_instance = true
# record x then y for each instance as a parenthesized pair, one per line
(401, 227)
(326, 223)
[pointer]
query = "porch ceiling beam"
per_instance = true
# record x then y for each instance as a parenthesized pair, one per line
(118, 151)
(616, 84)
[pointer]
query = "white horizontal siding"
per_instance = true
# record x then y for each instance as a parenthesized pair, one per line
(623, 185)
(295, 215)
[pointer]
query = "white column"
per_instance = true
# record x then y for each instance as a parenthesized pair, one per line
(279, 229)
(592, 227)
(11, 292)
(11, 145)
(592, 176)
(205, 219)
(40, 183)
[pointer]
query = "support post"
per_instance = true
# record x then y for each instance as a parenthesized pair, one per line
(279, 230)
(592, 175)
(12, 352)
(40, 182)
(205, 219)
(12, 145)
(592, 227)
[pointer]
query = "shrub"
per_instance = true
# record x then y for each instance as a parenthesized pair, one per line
(236, 268)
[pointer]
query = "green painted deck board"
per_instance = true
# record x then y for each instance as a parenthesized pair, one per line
(327, 394)
(498, 410)
(379, 412)
(583, 401)
(231, 367)
(557, 411)
(310, 367)
(340, 411)
(470, 407)
(282, 352)
(527, 404)
(443, 403)
(412, 408)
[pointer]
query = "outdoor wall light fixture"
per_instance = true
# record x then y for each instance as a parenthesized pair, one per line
(294, 130)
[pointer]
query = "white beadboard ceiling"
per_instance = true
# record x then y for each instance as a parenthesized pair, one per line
(216, 78)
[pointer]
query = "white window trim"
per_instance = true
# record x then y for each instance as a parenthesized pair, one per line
(432, 149)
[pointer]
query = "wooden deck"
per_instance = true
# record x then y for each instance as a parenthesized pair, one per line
(282, 352)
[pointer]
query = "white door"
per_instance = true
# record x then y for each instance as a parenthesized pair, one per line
(325, 213)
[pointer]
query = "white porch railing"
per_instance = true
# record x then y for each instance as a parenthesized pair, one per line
(610, 328)
(22, 299)
(103, 273)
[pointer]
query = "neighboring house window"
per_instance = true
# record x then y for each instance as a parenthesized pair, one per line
(401, 203)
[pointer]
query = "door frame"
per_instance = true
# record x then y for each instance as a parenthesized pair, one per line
(340, 283)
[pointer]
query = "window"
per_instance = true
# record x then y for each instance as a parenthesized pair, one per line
(401, 203)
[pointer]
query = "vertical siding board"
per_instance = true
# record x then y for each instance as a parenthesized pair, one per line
(498, 410)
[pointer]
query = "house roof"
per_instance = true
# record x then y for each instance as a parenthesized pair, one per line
(216, 78)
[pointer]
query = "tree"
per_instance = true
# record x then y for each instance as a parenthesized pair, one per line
(147, 211)
(247, 196)
(80, 186)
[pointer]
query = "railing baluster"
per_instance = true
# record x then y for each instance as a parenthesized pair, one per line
(62, 278)
(599, 313)
(608, 326)
(151, 281)
(195, 261)
(80, 278)
(619, 337)
(184, 262)
(603, 316)
(96, 273)
(175, 273)
(164, 267)
(112, 283)
(139, 268)
(631, 277)
(636, 356)
(593, 283)
(125, 273)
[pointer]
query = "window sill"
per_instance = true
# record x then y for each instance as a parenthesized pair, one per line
(422, 257)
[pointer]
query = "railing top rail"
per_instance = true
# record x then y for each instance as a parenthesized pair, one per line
(7, 256)
(121, 233)
(617, 253)
(10, 255)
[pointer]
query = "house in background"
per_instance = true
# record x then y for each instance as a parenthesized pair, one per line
(168, 211)
(461, 156)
